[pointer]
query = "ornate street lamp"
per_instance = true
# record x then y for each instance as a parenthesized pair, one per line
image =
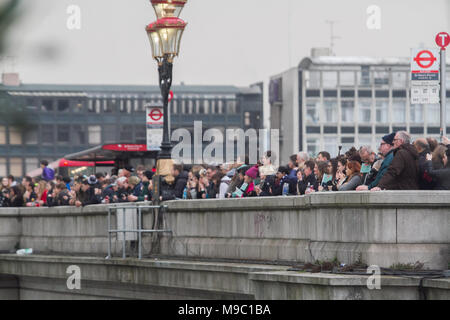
(165, 37)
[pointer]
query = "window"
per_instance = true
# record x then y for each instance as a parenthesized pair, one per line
(126, 133)
(2, 135)
(31, 136)
(94, 135)
(448, 112)
(16, 167)
(365, 111)
(3, 168)
(330, 79)
(79, 135)
(213, 104)
(433, 112)
(15, 136)
(141, 134)
(417, 113)
(312, 80)
(231, 106)
(174, 106)
(399, 79)
(331, 111)
(32, 104)
(31, 164)
(110, 105)
(313, 146)
(382, 111)
(347, 78)
(348, 110)
(399, 111)
(78, 106)
(94, 106)
(63, 105)
(47, 105)
(47, 134)
(331, 145)
(381, 78)
(63, 134)
(109, 133)
(220, 107)
(347, 143)
(312, 111)
(364, 79)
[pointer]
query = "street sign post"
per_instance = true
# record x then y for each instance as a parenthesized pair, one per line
(425, 78)
(155, 126)
(443, 40)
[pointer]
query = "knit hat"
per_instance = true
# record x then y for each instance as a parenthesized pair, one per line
(149, 175)
(92, 180)
(252, 172)
(389, 138)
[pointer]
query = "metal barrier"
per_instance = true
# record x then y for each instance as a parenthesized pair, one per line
(156, 210)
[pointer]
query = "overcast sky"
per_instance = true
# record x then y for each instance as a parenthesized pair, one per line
(233, 42)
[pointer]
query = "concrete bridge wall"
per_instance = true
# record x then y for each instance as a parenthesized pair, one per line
(378, 228)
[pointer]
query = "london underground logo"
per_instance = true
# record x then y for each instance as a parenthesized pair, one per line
(156, 115)
(425, 59)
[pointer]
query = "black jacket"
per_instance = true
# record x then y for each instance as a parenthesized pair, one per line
(180, 184)
(442, 176)
(309, 181)
(426, 181)
(91, 197)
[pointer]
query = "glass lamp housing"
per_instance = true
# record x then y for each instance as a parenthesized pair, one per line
(168, 8)
(155, 41)
(170, 31)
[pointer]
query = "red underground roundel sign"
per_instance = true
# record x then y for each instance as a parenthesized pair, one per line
(425, 59)
(156, 115)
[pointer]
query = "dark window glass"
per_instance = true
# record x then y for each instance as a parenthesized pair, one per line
(382, 94)
(348, 140)
(348, 130)
(126, 133)
(47, 134)
(109, 133)
(141, 134)
(313, 93)
(434, 130)
(79, 135)
(347, 94)
(63, 105)
(365, 93)
(330, 130)
(399, 94)
(365, 129)
(47, 105)
(417, 130)
(397, 129)
(312, 129)
(63, 134)
(380, 130)
(330, 93)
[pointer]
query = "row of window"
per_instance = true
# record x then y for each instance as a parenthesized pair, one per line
(332, 143)
(18, 167)
(367, 111)
(189, 106)
(365, 78)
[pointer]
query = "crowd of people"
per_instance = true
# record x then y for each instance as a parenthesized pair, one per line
(400, 164)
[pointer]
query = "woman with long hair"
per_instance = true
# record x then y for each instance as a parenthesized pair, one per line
(353, 176)
(16, 197)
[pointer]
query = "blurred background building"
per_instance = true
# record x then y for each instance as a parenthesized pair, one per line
(330, 101)
(65, 119)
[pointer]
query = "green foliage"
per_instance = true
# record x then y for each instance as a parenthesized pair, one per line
(418, 266)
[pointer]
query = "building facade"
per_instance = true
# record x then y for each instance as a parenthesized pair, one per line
(327, 102)
(50, 121)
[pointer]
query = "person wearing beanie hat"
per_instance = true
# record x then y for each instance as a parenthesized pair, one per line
(252, 173)
(387, 149)
(247, 189)
(134, 188)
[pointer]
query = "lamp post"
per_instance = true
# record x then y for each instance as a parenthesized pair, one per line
(165, 37)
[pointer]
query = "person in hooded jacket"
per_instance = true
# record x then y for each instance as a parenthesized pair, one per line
(403, 173)
(181, 179)
(441, 176)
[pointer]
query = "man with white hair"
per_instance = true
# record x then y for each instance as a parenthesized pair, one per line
(302, 158)
(403, 173)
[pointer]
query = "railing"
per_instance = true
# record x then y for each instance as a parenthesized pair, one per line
(124, 220)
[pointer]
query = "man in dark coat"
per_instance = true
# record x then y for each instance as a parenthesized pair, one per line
(181, 179)
(308, 180)
(403, 174)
